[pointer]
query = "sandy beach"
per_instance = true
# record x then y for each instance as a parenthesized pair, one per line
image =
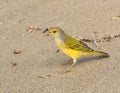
(29, 61)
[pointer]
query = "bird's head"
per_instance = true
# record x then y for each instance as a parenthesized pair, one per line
(55, 31)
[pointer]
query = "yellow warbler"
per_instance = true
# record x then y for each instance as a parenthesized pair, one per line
(70, 46)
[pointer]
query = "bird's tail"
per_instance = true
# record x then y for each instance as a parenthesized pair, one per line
(103, 54)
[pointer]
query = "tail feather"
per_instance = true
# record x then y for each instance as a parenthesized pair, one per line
(101, 53)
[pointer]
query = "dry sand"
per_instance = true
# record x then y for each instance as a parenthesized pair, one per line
(29, 62)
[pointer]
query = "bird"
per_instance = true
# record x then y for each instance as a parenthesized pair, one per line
(70, 46)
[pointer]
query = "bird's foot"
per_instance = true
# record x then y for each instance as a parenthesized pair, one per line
(65, 71)
(63, 64)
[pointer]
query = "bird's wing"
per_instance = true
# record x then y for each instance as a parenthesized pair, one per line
(76, 45)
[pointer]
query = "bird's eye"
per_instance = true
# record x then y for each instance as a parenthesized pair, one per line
(54, 31)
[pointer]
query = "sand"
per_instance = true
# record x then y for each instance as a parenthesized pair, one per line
(28, 58)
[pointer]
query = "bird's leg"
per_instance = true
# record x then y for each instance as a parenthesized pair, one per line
(69, 69)
(65, 63)
(74, 61)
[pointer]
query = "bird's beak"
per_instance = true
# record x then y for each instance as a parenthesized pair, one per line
(45, 30)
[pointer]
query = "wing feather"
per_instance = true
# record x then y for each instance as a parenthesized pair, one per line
(76, 45)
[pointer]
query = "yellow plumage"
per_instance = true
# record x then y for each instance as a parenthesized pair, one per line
(70, 46)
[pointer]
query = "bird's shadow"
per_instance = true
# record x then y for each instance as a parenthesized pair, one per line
(87, 59)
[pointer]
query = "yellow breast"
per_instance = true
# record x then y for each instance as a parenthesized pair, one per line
(66, 50)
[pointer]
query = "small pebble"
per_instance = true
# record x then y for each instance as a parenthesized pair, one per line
(16, 51)
(14, 64)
